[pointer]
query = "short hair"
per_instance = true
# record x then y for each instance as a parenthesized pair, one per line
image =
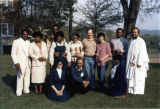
(119, 29)
(75, 34)
(59, 33)
(101, 34)
(136, 28)
(118, 57)
(38, 33)
(55, 25)
(89, 29)
(79, 59)
(23, 30)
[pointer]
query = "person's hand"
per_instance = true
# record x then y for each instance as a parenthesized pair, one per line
(101, 60)
(64, 55)
(106, 84)
(132, 64)
(97, 55)
(139, 66)
(119, 51)
(85, 83)
(61, 92)
(78, 55)
(112, 50)
(56, 54)
(42, 59)
(18, 68)
(58, 93)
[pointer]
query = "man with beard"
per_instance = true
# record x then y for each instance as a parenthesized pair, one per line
(137, 63)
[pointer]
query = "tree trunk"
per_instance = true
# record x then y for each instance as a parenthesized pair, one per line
(70, 22)
(130, 15)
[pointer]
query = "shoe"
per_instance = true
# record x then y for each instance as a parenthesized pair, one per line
(26, 92)
(18, 95)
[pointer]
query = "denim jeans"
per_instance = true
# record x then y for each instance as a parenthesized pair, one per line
(90, 67)
(101, 73)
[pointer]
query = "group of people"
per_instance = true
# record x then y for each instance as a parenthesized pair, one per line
(73, 64)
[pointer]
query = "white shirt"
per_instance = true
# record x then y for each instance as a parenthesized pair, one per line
(113, 71)
(51, 54)
(59, 72)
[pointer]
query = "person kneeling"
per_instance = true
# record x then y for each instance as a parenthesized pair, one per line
(80, 79)
(116, 83)
(57, 90)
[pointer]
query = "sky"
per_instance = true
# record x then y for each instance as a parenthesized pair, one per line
(149, 23)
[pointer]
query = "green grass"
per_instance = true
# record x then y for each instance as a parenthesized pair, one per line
(92, 99)
(153, 51)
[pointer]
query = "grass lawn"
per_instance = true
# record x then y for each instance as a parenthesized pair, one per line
(92, 99)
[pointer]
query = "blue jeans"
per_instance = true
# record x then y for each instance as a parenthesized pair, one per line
(101, 73)
(90, 67)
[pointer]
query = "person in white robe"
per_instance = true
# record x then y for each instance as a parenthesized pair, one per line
(20, 57)
(39, 54)
(137, 64)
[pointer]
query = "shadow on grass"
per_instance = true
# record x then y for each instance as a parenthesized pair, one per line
(10, 81)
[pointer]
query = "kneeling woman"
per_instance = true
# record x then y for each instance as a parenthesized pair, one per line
(116, 82)
(57, 90)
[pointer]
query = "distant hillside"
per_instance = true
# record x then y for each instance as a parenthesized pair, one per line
(153, 32)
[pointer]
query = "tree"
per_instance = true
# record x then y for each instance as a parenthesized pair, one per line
(101, 13)
(45, 13)
(71, 10)
(131, 11)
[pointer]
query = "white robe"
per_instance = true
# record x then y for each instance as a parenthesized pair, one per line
(137, 53)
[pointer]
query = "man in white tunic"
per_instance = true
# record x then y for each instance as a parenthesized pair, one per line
(21, 61)
(137, 64)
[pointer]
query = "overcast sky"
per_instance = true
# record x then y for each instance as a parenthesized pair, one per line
(149, 23)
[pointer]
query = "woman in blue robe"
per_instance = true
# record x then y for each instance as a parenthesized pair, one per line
(116, 83)
(57, 90)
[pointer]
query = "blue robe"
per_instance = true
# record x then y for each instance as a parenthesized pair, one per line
(118, 84)
(58, 83)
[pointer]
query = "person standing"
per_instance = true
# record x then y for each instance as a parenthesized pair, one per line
(38, 53)
(52, 37)
(120, 46)
(60, 51)
(103, 55)
(20, 57)
(89, 46)
(137, 63)
(76, 48)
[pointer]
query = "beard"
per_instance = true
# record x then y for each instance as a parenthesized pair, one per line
(134, 37)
